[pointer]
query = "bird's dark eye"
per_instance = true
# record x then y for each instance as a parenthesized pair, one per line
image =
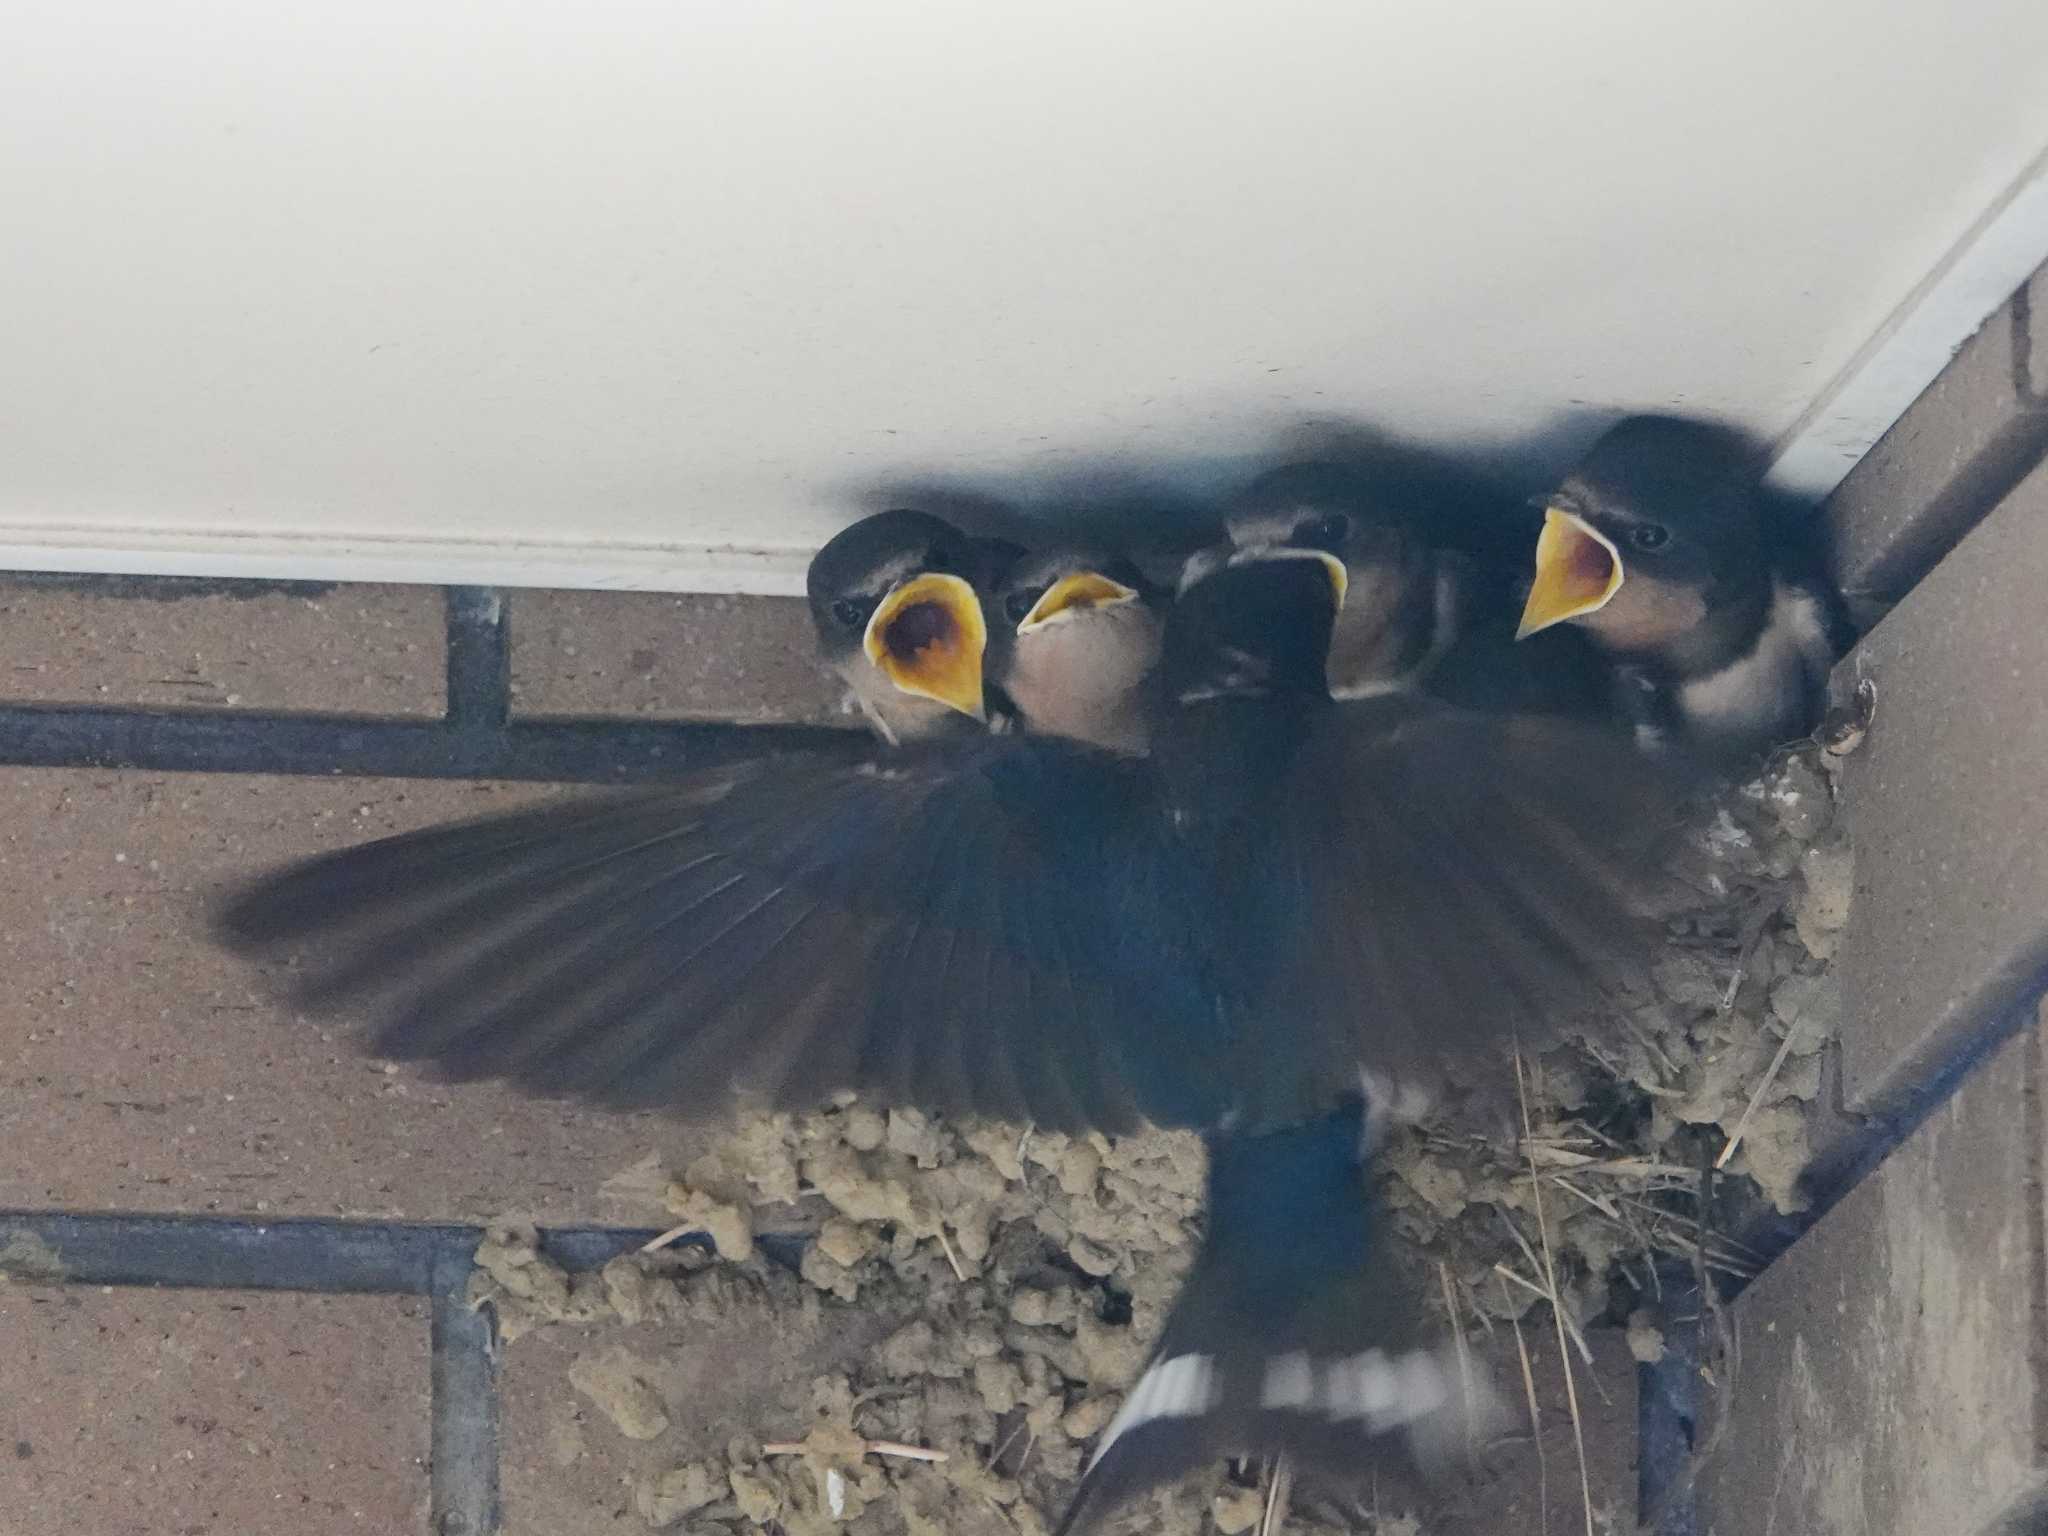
(1328, 531)
(849, 614)
(1018, 605)
(1649, 535)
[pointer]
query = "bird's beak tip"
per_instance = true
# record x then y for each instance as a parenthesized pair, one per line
(1073, 593)
(1578, 570)
(1340, 578)
(1258, 554)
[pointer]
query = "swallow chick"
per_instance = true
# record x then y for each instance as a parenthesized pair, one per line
(1402, 606)
(1717, 624)
(896, 603)
(1078, 638)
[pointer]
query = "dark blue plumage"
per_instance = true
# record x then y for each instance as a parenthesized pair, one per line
(1291, 1336)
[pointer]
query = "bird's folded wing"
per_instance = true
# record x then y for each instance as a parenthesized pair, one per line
(1002, 929)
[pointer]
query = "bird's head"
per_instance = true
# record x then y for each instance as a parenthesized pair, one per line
(1253, 619)
(1643, 536)
(897, 594)
(1329, 507)
(1389, 616)
(1076, 637)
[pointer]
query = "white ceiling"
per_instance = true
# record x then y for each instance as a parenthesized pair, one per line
(594, 292)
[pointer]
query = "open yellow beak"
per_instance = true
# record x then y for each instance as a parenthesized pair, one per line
(1577, 570)
(927, 637)
(1075, 594)
(1340, 579)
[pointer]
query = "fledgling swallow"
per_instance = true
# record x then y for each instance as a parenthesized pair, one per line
(1402, 606)
(896, 601)
(1077, 641)
(1287, 907)
(1421, 613)
(1717, 623)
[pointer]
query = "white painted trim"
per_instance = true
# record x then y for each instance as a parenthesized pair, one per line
(2000, 252)
(312, 557)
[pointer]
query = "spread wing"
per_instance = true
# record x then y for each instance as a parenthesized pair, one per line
(1002, 930)
(1440, 882)
(1023, 928)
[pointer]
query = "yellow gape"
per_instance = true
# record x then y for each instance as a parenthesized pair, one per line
(1578, 570)
(927, 637)
(1074, 594)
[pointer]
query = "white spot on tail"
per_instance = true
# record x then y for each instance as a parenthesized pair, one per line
(1417, 1392)
(1385, 1393)
(1290, 1382)
(1181, 1388)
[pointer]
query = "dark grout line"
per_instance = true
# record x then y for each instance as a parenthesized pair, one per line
(330, 746)
(479, 658)
(1843, 1161)
(464, 1457)
(328, 1257)
(322, 1255)
(332, 1257)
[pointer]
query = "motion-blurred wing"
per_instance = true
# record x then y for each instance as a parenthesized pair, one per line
(1434, 884)
(1001, 930)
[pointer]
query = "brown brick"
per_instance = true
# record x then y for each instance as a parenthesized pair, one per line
(687, 656)
(176, 1413)
(1944, 807)
(141, 1068)
(1890, 1372)
(1948, 460)
(346, 650)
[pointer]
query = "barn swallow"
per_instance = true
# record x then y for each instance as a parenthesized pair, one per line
(1290, 909)
(1077, 641)
(1422, 612)
(1715, 619)
(896, 601)
(1401, 610)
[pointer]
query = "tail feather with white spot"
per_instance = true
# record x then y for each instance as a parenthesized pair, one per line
(1290, 1337)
